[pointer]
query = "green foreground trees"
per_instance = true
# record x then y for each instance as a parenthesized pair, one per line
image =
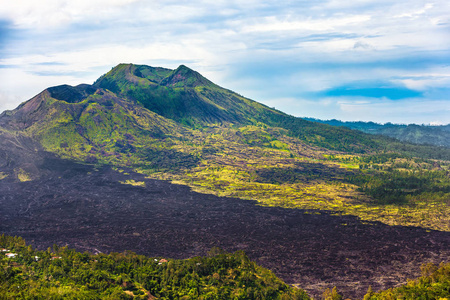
(62, 273)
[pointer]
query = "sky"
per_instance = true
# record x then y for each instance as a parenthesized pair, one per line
(360, 60)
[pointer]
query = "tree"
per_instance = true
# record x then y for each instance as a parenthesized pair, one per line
(332, 294)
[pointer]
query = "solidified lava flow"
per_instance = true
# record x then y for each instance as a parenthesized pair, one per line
(88, 209)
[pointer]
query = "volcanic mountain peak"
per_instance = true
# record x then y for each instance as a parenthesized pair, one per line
(124, 74)
(185, 77)
(182, 95)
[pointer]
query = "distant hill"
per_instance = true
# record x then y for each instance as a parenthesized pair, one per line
(412, 133)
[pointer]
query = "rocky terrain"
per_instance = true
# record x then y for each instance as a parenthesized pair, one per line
(91, 210)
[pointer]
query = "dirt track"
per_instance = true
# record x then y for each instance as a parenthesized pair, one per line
(316, 250)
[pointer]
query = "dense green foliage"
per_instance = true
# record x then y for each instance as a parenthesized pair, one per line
(392, 178)
(62, 273)
(399, 186)
(434, 284)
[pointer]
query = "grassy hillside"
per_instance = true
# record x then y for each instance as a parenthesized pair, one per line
(185, 96)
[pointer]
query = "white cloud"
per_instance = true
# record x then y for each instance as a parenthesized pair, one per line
(361, 45)
(403, 111)
(422, 84)
(416, 13)
(274, 24)
(50, 13)
(426, 79)
(8, 101)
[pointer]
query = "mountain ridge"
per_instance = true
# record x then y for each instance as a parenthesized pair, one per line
(437, 135)
(194, 101)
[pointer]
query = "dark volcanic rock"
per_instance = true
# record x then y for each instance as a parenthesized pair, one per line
(89, 209)
(20, 154)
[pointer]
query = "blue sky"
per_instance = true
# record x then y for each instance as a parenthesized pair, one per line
(382, 61)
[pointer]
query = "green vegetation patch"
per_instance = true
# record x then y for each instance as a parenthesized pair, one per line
(434, 284)
(133, 182)
(62, 273)
(23, 176)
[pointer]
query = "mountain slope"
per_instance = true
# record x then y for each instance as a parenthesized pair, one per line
(177, 125)
(20, 157)
(185, 96)
(86, 125)
(182, 95)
